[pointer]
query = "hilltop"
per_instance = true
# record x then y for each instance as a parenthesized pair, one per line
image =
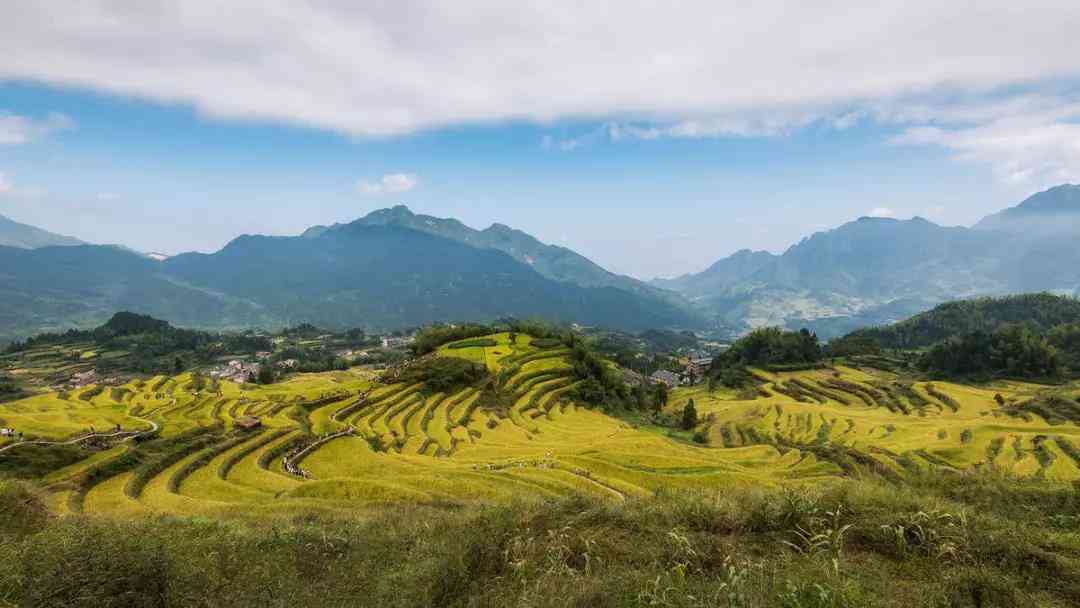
(25, 236)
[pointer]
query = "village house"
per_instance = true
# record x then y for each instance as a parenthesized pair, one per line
(663, 376)
(395, 342)
(236, 371)
(699, 366)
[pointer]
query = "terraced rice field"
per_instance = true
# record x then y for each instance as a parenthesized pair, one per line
(339, 441)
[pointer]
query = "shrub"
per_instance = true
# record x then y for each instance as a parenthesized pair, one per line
(477, 342)
(444, 374)
(430, 338)
(545, 343)
(91, 392)
(22, 510)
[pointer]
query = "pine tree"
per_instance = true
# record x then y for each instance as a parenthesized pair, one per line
(689, 416)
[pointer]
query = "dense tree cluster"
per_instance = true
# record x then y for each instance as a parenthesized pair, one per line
(432, 337)
(1042, 311)
(1066, 339)
(1013, 350)
(443, 374)
(9, 389)
(304, 331)
(666, 340)
(310, 359)
(429, 338)
(771, 346)
(600, 382)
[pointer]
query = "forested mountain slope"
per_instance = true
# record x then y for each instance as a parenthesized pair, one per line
(879, 270)
(16, 234)
(57, 288)
(376, 276)
(386, 275)
(551, 261)
(1042, 311)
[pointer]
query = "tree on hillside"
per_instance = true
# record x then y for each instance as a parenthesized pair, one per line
(198, 381)
(769, 346)
(266, 374)
(689, 416)
(661, 395)
(1014, 350)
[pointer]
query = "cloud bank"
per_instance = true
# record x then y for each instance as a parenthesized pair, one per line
(646, 70)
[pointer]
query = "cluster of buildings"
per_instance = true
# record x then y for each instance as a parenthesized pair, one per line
(695, 367)
(396, 341)
(84, 379)
(236, 371)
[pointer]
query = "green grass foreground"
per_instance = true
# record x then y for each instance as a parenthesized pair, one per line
(942, 541)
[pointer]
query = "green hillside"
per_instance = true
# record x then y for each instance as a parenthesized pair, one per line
(1042, 311)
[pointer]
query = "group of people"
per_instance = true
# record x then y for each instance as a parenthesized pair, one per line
(361, 397)
(288, 459)
(547, 462)
(290, 468)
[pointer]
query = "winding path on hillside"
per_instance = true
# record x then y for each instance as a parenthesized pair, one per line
(130, 434)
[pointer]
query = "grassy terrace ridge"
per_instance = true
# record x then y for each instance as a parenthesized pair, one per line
(735, 501)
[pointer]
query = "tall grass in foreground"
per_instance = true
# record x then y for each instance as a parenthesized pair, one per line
(938, 542)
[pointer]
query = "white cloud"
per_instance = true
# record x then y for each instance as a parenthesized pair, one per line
(398, 67)
(882, 212)
(15, 129)
(641, 70)
(391, 183)
(5, 185)
(749, 124)
(1027, 140)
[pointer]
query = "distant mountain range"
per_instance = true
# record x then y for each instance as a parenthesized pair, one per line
(877, 270)
(23, 236)
(378, 272)
(394, 268)
(554, 262)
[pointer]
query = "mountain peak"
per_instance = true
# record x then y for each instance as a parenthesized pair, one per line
(1055, 211)
(395, 213)
(1065, 197)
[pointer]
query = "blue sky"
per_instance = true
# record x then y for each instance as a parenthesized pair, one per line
(111, 135)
